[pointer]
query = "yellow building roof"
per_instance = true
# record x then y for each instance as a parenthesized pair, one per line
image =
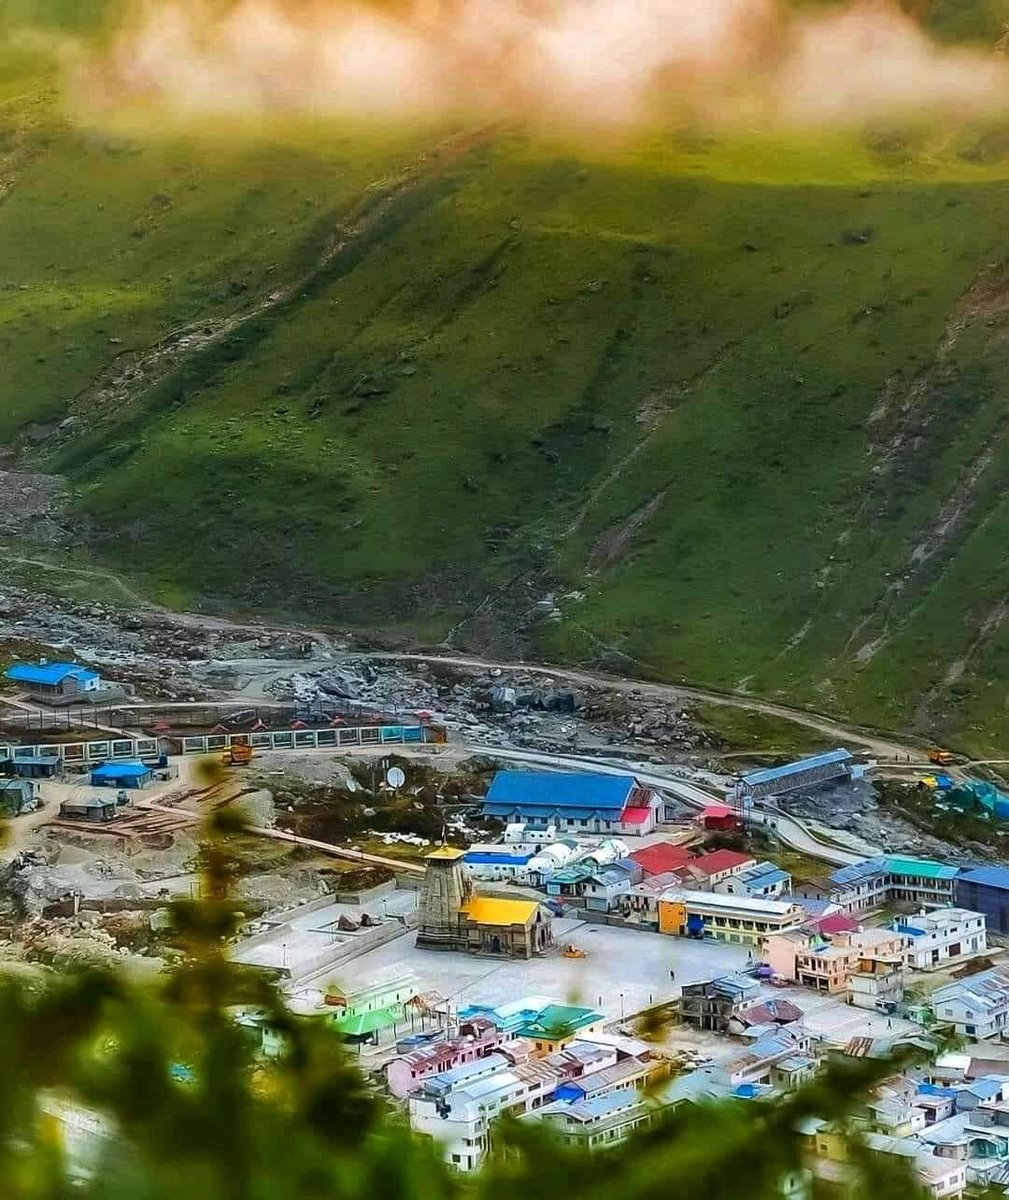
(446, 852)
(487, 911)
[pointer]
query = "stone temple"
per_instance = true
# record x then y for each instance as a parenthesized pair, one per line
(452, 917)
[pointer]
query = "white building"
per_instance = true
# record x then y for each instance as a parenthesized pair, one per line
(977, 1007)
(457, 1108)
(497, 864)
(941, 936)
(876, 983)
(763, 880)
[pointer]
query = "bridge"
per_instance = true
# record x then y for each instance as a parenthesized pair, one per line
(804, 772)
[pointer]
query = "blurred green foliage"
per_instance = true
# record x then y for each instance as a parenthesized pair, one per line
(189, 1111)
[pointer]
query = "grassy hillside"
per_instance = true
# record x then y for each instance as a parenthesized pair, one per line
(743, 397)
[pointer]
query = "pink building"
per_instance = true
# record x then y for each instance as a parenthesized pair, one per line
(825, 963)
(476, 1039)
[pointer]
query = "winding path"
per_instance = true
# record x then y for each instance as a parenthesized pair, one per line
(793, 832)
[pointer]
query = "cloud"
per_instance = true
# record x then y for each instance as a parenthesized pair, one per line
(582, 61)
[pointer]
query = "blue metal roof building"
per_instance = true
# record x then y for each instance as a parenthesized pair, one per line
(986, 890)
(489, 858)
(858, 871)
(561, 795)
(51, 674)
(34, 766)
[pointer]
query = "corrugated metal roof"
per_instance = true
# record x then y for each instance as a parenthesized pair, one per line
(561, 790)
(661, 857)
(764, 874)
(997, 877)
(860, 870)
(486, 910)
(721, 860)
(559, 1020)
(490, 858)
(597, 1107)
(49, 674)
(986, 990)
(736, 905)
(369, 1022)
(921, 867)
(770, 774)
(625, 1071)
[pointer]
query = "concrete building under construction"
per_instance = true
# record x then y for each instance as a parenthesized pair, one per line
(452, 917)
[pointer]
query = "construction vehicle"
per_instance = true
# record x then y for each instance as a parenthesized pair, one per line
(239, 754)
(941, 758)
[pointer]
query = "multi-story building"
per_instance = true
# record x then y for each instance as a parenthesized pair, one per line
(986, 890)
(759, 1062)
(763, 879)
(977, 1140)
(600, 1120)
(976, 1007)
(859, 887)
(921, 881)
(741, 919)
(476, 1039)
(635, 1071)
(941, 936)
(606, 886)
(457, 1109)
(371, 1014)
(716, 1002)
(866, 885)
(942, 1178)
(826, 962)
(876, 983)
(720, 865)
(825, 967)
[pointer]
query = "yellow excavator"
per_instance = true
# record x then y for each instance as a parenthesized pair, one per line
(239, 754)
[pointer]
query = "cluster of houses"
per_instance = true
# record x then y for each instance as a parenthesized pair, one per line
(456, 1071)
(531, 1057)
(538, 1059)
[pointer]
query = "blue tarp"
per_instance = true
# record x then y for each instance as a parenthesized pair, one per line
(123, 774)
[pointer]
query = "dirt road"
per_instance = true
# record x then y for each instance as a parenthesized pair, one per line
(854, 737)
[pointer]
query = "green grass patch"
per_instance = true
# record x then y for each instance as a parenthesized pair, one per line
(763, 736)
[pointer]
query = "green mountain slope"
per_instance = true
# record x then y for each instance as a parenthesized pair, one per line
(744, 397)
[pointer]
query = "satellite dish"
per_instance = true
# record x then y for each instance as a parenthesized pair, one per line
(395, 777)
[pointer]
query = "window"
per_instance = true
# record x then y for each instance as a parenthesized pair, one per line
(457, 1158)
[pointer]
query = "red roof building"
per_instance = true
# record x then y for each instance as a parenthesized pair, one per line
(719, 864)
(835, 923)
(720, 816)
(661, 857)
